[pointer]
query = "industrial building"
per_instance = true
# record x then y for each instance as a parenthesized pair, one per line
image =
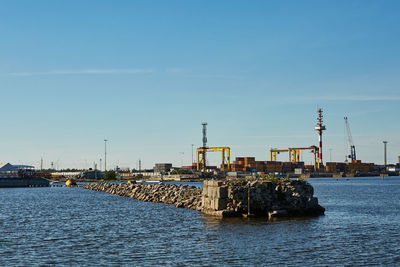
(8, 171)
(21, 176)
(162, 167)
(92, 175)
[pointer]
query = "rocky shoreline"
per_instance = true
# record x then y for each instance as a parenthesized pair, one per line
(182, 196)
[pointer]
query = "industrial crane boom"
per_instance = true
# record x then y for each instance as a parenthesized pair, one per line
(352, 155)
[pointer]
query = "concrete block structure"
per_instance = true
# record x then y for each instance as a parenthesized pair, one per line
(162, 167)
(277, 197)
(215, 195)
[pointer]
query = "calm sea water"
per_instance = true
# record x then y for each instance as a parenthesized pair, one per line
(73, 226)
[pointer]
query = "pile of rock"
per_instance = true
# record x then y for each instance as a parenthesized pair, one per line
(182, 196)
(273, 198)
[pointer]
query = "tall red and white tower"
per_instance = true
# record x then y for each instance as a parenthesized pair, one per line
(319, 127)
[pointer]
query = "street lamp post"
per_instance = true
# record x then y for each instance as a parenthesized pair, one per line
(384, 151)
(192, 154)
(105, 154)
(95, 171)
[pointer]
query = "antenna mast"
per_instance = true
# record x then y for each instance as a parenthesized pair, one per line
(320, 127)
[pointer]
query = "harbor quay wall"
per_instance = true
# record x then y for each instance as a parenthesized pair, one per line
(274, 198)
(24, 182)
(182, 196)
(229, 198)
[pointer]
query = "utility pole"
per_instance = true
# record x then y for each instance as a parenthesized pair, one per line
(41, 163)
(105, 154)
(192, 153)
(248, 198)
(384, 151)
(100, 165)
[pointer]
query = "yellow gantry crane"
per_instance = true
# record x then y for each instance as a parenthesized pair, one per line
(226, 164)
(294, 154)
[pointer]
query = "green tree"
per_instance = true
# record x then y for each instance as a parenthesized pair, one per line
(110, 175)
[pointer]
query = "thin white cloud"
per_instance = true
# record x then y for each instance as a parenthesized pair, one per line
(174, 70)
(351, 98)
(82, 71)
(277, 136)
(192, 74)
(295, 136)
(362, 98)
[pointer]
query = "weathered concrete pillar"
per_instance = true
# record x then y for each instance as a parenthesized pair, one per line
(276, 198)
(214, 197)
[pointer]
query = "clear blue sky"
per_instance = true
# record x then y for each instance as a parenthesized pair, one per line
(145, 74)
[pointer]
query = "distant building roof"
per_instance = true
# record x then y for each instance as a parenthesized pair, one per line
(24, 166)
(7, 167)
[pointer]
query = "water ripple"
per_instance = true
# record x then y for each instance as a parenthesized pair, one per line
(73, 226)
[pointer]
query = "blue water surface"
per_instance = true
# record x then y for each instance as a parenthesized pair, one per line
(77, 227)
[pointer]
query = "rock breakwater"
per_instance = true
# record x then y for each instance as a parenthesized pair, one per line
(182, 196)
(228, 198)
